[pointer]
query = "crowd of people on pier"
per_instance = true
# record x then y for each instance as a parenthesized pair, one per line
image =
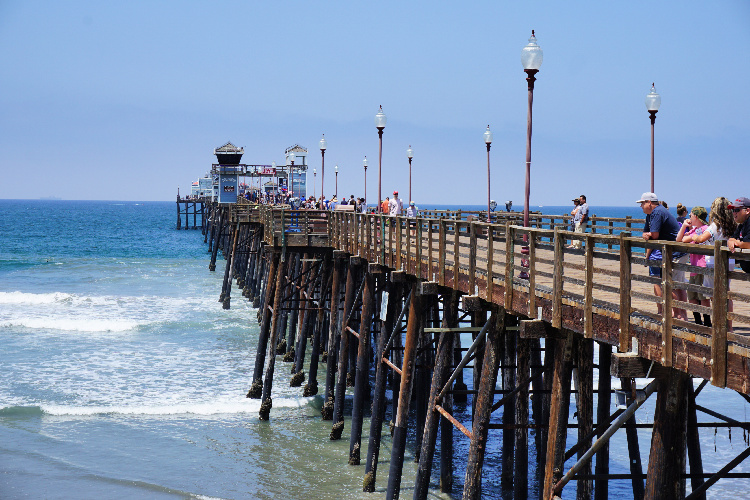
(726, 221)
(389, 206)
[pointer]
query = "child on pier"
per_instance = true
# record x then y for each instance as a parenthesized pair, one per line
(722, 225)
(695, 225)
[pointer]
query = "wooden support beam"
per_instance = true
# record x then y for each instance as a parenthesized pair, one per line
(362, 380)
(260, 357)
(630, 365)
(559, 405)
(534, 329)
(474, 303)
(480, 426)
(666, 462)
(266, 401)
(404, 399)
(429, 288)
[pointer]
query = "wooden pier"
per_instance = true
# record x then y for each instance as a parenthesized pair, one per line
(394, 298)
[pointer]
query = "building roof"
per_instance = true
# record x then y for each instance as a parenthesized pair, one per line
(295, 149)
(229, 148)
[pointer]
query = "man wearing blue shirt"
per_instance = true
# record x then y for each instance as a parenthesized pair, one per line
(662, 225)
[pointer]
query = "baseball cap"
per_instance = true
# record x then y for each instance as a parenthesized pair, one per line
(648, 197)
(700, 212)
(411, 203)
(740, 203)
(576, 199)
(395, 192)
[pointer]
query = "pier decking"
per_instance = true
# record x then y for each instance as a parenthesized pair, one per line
(320, 276)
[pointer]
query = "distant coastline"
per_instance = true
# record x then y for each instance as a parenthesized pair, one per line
(50, 198)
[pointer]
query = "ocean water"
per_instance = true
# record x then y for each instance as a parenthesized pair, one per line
(122, 377)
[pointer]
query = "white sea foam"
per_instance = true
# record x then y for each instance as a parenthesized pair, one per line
(19, 298)
(240, 406)
(73, 324)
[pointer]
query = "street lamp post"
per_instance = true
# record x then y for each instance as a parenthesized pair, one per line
(410, 155)
(380, 120)
(292, 157)
(315, 177)
(364, 164)
(336, 169)
(323, 146)
(488, 142)
(653, 101)
(531, 59)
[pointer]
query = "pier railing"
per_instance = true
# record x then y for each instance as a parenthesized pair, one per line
(532, 271)
(577, 281)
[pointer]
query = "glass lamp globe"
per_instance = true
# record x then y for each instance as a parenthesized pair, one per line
(315, 172)
(323, 143)
(336, 169)
(410, 152)
(531, 54)
(364, 163)
(380, 119)
(273, 164)
(292, 157)
(488, 136)
(653, 100)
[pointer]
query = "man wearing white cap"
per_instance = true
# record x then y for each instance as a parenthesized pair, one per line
(741, 238)
(662, 225)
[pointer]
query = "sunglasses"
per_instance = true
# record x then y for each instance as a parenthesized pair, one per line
(736, 210)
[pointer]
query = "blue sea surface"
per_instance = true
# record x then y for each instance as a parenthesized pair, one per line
(122, 377)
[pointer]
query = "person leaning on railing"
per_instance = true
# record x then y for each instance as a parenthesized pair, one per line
(741, 238)
(661, 225)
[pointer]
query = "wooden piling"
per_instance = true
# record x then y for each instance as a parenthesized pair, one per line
(601, 468)
(256, 388)
(362, 382)
(559, 405)
(521, 461)
(666, 461)
(311, 388)
(584, 385)
(334, 334)
(440, 376)
(483, 408)
(266, 402)
(413, 328)
(340, 392)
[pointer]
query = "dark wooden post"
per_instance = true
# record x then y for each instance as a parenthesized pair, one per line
(217, 237)
(601, 486)
(509, 409)
(693, 444)
(362, 381)
(521, 462)
(349, 298)
(558, 421)
(584, 384)
(413, 329)
(311, 388)
(483, 410)
(666, 461)
(334, 334)
(225, 300)
(634, 449)
(291, 342)
(440, 375)
(305, 323)
(260, 357)
(381, 376)
(266, 403)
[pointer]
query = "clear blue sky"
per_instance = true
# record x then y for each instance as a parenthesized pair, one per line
(127, 100)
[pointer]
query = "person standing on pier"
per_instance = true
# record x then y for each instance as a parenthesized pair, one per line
(662, 225)
(741, 238)
(396, 206)
(384, 205)
(583, 217)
